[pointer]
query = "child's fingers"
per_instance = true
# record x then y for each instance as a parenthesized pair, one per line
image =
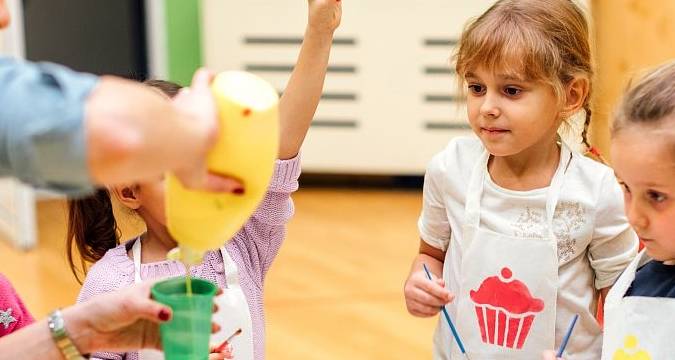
(549, 355)
(435, 289)
(215, 328)
(418, 309)
(217, 356)
(426, 298)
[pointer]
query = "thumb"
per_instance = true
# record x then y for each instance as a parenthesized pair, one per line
(201, 79)
(549, 355)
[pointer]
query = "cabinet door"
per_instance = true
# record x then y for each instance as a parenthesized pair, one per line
(390, 100)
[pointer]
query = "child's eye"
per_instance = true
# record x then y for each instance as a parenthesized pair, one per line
(476, 89)
(656, 196)
(512, 91)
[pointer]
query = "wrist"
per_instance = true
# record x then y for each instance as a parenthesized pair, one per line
(80, 331)
(319, 32)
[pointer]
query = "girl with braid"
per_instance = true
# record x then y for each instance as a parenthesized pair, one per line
(520, 231)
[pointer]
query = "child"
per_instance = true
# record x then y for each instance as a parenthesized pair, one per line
(241, 265)
(520, 231)
(13, 313)
(639, 309)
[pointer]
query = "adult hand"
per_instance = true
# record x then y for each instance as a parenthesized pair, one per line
(120, 321)
(198, 101)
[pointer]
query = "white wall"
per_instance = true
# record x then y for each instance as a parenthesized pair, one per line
(398, 109)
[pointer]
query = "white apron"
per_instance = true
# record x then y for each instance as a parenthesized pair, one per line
(233, 312)
(637, 327)
(506, 304)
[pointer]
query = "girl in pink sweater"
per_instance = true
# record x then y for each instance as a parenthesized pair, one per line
(239, 268)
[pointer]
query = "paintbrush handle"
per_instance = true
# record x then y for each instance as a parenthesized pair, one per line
(455, 334)
(224, 344)
(566, 339)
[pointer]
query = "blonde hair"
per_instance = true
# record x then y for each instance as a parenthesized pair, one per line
(650, 101)
(539, 40)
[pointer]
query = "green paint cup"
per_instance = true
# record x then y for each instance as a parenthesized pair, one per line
(186, 336)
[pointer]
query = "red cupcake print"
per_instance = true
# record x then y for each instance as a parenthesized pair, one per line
(505, 310)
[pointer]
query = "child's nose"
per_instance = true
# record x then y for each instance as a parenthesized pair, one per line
(636, 216)
(489, 108)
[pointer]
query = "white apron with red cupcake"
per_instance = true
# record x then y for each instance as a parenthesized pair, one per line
(637, 327)
(506, 303)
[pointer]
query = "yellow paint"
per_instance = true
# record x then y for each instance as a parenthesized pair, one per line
(246, 150)
(631, 351)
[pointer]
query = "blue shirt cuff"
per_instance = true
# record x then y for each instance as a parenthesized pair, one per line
(42, 135)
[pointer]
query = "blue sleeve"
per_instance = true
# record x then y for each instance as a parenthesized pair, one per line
(654, 279)
(42, 139)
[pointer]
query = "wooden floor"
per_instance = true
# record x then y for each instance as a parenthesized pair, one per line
(335, 291)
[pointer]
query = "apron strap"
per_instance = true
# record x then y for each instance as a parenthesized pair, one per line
(554, 190)
(475, 190)
(136, 252)
(625, 279)
(477, 183)
(230, 269)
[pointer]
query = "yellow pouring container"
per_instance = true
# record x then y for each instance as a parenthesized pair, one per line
(246, 150)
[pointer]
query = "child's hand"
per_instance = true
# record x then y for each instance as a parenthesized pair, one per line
(325, 15)
(550, 355)
(424, 297)
(226, 353)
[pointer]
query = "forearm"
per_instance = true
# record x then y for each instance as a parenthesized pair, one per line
(31, 342)
(35, 341)
(432, 257)
(128, 127)
(303, 92)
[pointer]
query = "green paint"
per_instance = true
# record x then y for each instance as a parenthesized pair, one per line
(183, 39)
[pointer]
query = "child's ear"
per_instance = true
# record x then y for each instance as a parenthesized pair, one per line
(127, 195)
(576, 93)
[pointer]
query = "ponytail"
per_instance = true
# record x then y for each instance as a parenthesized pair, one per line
(590, 149)
(91, 228)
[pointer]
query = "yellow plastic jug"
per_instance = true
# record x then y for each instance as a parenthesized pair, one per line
(247, 149)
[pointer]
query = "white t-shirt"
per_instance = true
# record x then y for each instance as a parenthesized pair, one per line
(595, 241)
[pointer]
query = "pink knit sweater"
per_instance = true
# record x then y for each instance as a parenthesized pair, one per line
(13, 313)
(253, 249)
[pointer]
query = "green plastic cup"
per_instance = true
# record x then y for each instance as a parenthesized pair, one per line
(186, 336)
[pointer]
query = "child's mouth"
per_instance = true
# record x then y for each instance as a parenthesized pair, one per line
(494, 131)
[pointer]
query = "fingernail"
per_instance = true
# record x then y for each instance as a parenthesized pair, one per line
(239, 191)
(164, 315)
